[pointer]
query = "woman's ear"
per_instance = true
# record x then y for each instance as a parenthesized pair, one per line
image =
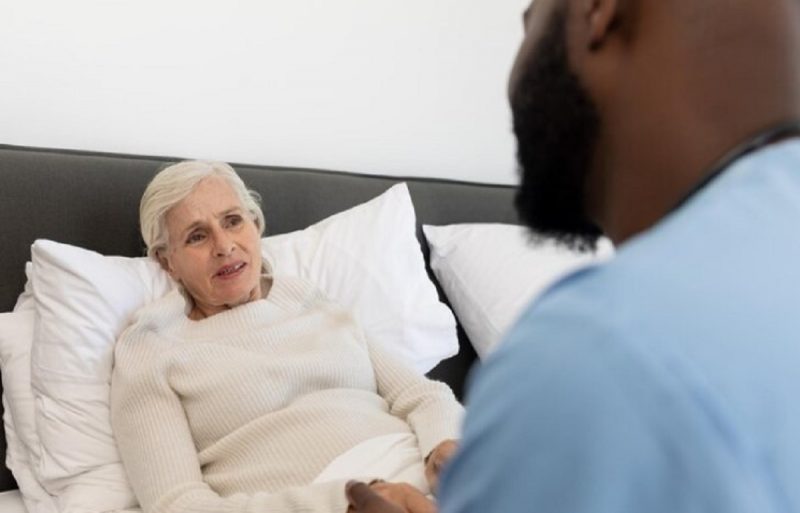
(164, 261)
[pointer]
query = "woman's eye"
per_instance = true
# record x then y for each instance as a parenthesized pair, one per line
(195, 237)
(234, 220)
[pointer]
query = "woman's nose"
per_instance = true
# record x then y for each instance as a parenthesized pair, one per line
(223, 244)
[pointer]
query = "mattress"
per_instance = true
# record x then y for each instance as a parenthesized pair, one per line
(11, 502)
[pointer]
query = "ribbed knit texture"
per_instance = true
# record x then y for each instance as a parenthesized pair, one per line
(240, 412)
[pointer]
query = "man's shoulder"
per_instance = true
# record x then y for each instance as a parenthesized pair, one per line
(589, 299)
(591, 333)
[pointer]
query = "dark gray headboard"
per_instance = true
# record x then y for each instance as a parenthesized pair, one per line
(91, 200)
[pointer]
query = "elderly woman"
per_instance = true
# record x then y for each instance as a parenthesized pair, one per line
(233, 392)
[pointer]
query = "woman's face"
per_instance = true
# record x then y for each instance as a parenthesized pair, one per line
(214, 248)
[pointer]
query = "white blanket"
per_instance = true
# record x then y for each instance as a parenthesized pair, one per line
(394, 458)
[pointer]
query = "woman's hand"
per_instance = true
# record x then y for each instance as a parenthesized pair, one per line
(436, 461)
(382, 497)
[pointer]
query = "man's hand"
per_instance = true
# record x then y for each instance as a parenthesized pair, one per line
(383, 497)
(437, 460)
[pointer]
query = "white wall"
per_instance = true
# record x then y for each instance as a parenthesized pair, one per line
(402, 87)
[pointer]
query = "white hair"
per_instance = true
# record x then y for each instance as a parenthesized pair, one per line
(174, 183)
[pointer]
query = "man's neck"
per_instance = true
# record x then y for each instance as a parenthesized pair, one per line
(640, 200)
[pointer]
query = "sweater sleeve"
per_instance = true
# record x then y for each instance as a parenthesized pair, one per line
(158, 451)
(428, 406)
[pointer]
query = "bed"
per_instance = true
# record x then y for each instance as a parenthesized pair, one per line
(90, 200)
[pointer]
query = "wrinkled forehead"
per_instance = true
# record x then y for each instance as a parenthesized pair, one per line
(211, 197)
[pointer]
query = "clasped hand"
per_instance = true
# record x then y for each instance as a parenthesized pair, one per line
(386, 498)
(382, 497)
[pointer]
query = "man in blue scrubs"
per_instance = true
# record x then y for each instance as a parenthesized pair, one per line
(667, 380)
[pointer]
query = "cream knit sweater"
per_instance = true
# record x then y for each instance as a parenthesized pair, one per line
(240, 411)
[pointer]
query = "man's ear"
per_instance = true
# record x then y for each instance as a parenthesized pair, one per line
(600, 18)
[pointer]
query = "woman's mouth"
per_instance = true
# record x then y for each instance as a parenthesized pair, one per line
(230, 271)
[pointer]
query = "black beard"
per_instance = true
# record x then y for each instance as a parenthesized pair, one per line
(556, 125)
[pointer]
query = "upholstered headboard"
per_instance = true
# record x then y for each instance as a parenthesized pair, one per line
(91, 200)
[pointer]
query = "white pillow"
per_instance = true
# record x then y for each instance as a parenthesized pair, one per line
(366, 258)
(16, 338)
(490, 272)
(83, 302)
(34, 497)
(22, 443)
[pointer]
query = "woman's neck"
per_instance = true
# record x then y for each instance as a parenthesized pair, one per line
(261, 291)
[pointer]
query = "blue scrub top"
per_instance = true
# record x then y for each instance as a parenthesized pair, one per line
(667, 380)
